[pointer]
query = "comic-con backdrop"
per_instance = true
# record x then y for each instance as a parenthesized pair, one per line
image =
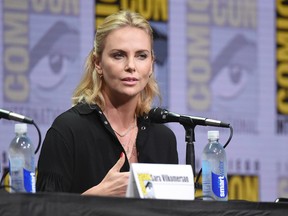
(221, 59)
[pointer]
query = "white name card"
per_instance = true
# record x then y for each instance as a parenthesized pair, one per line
(161, 181)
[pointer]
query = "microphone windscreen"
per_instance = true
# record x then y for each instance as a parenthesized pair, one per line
(158, 115)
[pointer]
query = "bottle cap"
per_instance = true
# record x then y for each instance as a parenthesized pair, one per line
(21, 128)
(213, 134)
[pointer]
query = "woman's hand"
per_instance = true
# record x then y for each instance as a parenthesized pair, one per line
(114, 183)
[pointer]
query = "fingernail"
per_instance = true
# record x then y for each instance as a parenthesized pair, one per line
(121, 155)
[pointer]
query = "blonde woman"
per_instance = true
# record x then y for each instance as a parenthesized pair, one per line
(89, 148)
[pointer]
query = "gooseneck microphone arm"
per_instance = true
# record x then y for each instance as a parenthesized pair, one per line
(5, 114)
(158, 115)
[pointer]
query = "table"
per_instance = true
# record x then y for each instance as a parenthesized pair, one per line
(54, 204)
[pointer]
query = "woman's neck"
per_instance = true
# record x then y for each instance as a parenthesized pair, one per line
(120, 115)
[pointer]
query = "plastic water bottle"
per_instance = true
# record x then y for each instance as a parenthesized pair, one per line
(214, 169)
(21, 161)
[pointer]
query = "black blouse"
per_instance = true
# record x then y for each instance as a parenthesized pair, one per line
(80, 148)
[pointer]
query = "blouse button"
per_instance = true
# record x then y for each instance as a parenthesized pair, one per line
(145, 117)
(100, 112)
(105, 122)
(143, 128)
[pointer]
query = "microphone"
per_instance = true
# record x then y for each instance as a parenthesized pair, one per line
(14, 116)
(159, 115)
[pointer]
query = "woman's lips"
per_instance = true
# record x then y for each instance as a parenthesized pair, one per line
(130, 80)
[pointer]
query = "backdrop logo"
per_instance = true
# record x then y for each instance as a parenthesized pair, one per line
(282, 178)
(223, 75)
(40, 47)
(282, 67)
(16, 52)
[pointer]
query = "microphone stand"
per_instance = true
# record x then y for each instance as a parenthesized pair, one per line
(190, 139)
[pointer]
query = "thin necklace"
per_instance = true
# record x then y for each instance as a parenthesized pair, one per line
(129, 145)
(126, 132)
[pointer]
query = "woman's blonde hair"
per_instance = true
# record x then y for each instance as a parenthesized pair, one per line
(90, 87)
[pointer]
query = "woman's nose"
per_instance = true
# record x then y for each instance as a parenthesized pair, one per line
(130, 67)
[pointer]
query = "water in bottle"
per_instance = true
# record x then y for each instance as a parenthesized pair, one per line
(21, 161)
(214, 169)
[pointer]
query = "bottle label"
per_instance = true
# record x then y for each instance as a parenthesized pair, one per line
(219, 185)
(16, 178)
(29, 181)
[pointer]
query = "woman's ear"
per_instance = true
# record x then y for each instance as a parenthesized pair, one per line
(98, 66)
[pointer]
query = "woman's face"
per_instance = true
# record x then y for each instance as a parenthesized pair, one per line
(126, 62)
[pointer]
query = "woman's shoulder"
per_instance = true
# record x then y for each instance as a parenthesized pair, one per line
(75, 114)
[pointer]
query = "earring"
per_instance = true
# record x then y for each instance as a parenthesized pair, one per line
(99, 72)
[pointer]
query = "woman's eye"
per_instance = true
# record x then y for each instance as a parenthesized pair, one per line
(142, 56)
(117, 55)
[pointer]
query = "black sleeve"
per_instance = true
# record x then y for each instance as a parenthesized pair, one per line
(55, 164)
(171, 146)
(157, 144)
